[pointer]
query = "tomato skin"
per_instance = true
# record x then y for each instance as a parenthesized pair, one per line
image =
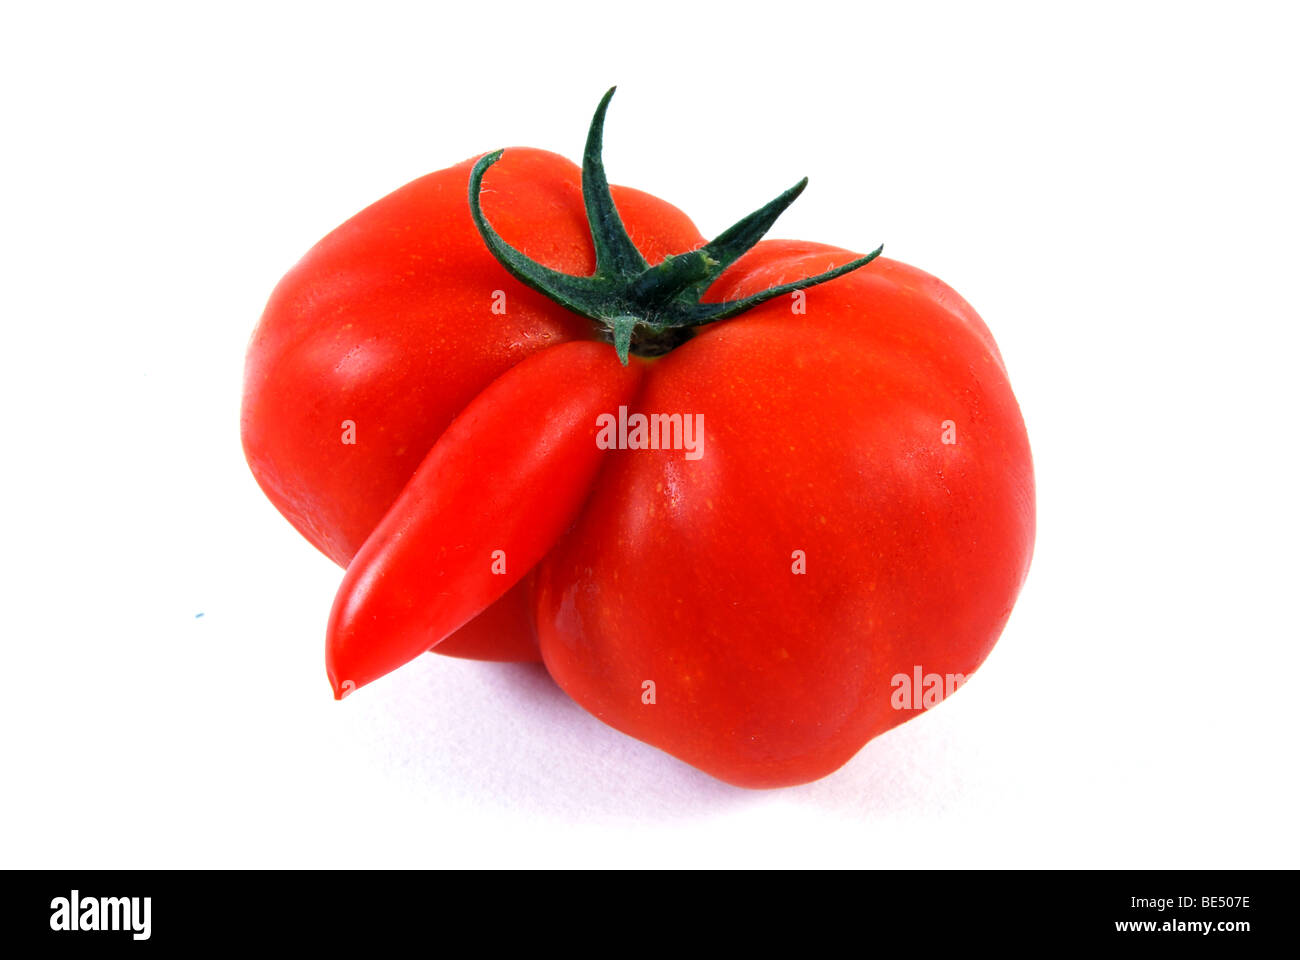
(388, 323)
(502, 483)
(822, 434)
(504, 632)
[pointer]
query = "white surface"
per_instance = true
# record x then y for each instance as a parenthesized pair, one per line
(1114, 190)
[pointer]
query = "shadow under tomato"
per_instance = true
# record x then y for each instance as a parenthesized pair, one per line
(504, 735)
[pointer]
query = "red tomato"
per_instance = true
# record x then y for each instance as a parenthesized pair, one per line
(854, 507)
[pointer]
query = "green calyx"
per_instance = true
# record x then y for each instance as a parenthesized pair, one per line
(642, 309)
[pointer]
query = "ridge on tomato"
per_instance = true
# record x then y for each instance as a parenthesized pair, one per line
(859, 508)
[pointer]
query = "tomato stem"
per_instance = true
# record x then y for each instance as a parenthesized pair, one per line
(642, 309)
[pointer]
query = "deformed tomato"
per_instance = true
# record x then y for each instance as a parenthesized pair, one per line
(732, 491)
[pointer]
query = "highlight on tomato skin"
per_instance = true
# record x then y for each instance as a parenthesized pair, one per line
(753, 502)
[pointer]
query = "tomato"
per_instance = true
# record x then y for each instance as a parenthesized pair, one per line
(798, 483)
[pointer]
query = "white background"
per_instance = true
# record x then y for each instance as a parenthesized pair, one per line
(1113, 186)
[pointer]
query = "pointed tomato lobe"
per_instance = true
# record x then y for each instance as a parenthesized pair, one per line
(509, 475)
